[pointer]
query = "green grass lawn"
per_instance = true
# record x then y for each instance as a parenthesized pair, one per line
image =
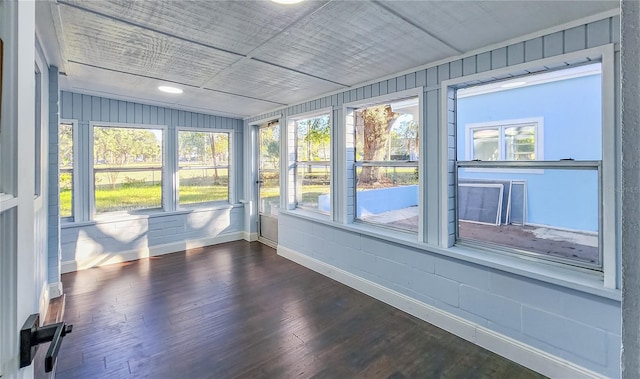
(140, 190)
(143, 196)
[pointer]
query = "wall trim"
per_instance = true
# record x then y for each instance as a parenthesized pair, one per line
(55, 290)
(249, 237)
(151, 251)
(521, 353)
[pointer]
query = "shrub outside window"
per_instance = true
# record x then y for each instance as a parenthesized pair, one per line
(203, 161)
(128, 166)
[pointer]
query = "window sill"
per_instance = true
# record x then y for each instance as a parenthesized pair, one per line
(155, 213)
(7, 202)
(72, 224)
(579, 280)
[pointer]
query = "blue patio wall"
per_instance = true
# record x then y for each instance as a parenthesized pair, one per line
(380, 200)
(571, 110)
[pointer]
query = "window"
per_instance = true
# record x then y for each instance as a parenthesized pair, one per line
(512, 198)
(312, 165)
(203, 161)
(510, 141)
(128, 164)
(386, 164)
(65, 162)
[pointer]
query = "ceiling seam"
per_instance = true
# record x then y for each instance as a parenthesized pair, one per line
(251, 56)
(117, 19)
(300, 72)
(430, 34)
(172, 81)
(131, 23)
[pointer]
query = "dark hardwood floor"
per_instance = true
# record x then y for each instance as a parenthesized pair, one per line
(238, 310)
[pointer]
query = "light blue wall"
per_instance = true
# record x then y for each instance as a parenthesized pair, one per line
(558, 198)
(577, 326)
(375, 201)
(103, 238)
(572, 112)
(572, 118)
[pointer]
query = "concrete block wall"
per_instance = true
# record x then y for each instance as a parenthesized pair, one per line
(87, 245)
(579, 327)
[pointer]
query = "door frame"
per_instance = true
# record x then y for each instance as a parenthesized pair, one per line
(259, 215)
(19, 292)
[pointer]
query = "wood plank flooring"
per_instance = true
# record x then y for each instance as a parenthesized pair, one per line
(238, 310)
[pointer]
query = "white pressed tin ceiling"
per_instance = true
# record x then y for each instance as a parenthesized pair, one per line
(243, 58)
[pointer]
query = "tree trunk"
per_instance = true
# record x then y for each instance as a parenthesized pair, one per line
(212, 143)
(377, 125)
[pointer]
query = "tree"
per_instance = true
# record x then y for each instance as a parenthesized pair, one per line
(119, 146)
(270, 146)
(192, 144)
(317, 137)
(65, 145)
(406, 131)
(217, 143)
(377, 123)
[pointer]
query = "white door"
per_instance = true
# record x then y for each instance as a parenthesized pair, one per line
(18, 293)
(268, 182)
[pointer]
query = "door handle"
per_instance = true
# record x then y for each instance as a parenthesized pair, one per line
(259, 181)
(31, 335)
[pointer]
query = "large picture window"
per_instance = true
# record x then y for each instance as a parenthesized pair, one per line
(511, 197)
(386, 164)
(203, 159)
(313, 163)
(128, 166)
(65, 161)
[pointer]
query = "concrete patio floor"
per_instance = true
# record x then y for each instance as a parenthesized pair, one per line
(574, 245)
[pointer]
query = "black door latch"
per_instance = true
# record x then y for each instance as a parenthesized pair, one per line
(31, 335)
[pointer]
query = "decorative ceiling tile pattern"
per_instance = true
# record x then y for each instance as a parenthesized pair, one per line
(244, 58)
(353, 41)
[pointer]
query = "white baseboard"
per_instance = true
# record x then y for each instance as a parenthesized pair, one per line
(55, 290)
(528, 356)
(250, 237)
(151, 251)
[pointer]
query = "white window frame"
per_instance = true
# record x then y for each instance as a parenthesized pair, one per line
(348, 188)
(293, 162)
(76, 202)
(230, 168)
(607, 206)
(167, 198)
(536, 122)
